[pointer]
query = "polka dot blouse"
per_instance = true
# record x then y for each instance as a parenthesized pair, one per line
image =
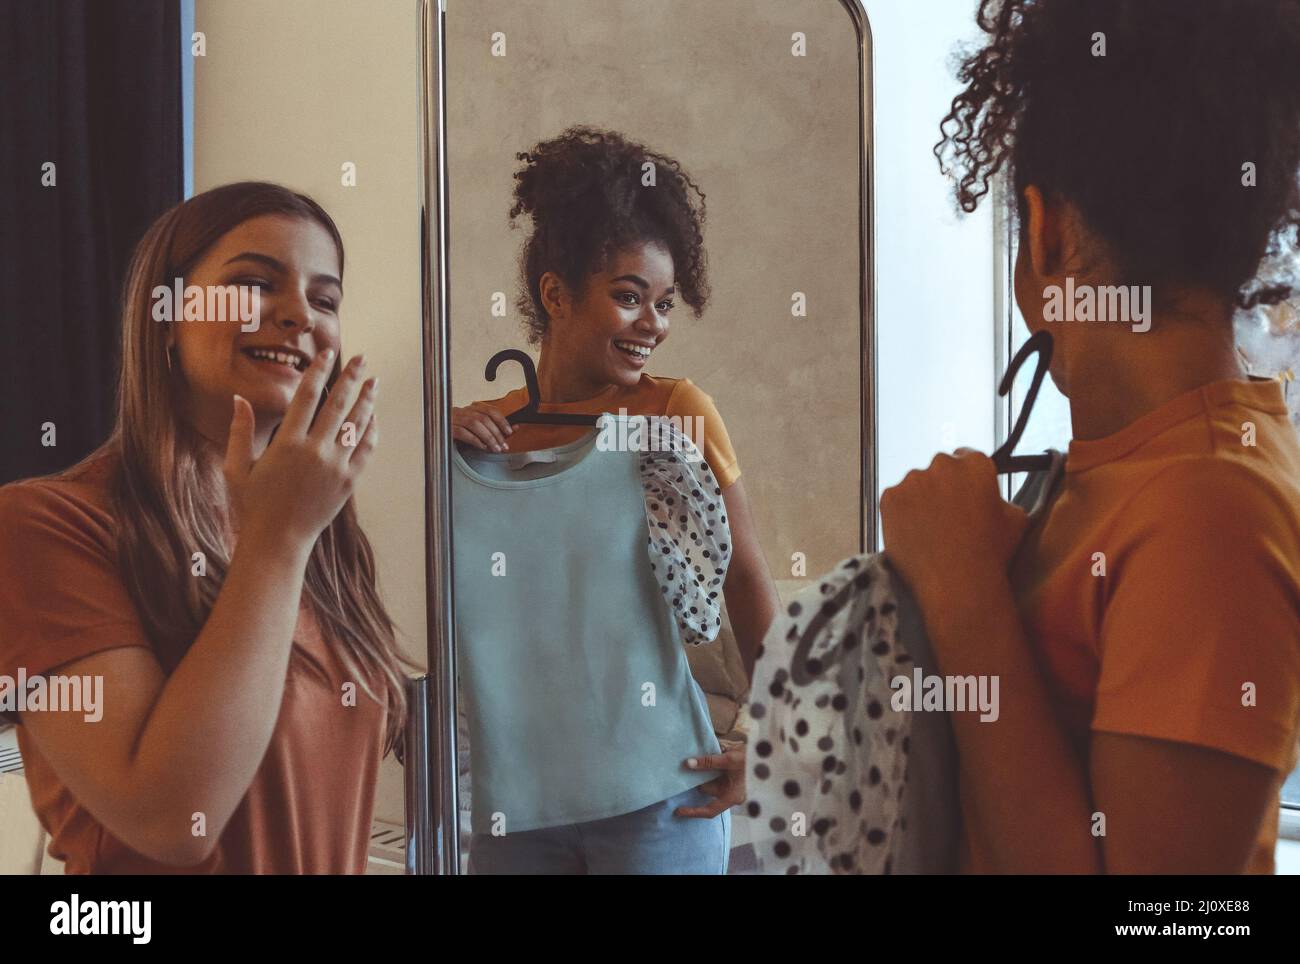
(828, 753)
(689, 539)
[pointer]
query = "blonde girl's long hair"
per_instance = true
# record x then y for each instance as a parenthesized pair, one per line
(170, 500)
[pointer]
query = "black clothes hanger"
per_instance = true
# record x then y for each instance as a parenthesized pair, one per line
(529, 412)
(802, 669)
(1003, 459)
(1039, 343)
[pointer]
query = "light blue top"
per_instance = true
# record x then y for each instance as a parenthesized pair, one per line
(581, 703)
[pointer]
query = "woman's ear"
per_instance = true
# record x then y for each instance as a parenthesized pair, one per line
(1042, 240)
(1057, 238)
(554, 295)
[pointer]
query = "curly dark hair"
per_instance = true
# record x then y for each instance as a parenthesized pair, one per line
(585, 195)
(1149, 142)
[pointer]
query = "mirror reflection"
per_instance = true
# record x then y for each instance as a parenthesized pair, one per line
(668, 237)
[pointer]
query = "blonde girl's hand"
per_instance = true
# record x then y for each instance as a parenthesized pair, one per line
(307, 473)
(481, 426)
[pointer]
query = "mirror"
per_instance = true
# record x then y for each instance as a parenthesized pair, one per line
(690, 241)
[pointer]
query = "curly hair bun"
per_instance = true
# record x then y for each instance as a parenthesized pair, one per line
(1173, 126)
(589, 192)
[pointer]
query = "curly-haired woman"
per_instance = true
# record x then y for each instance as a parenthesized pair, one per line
(1146, 630)
(616, 238)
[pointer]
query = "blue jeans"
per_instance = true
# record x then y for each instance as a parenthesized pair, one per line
(646, 841)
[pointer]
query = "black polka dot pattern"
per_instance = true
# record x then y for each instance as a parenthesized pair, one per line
(690, 541)
(829, 760)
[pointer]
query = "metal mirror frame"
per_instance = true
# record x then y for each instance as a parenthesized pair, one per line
(432, 808)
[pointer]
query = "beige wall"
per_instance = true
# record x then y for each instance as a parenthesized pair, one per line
(288, 92)
(772, 139)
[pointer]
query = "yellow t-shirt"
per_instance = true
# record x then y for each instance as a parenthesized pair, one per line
(650, 396)
(1199, 598)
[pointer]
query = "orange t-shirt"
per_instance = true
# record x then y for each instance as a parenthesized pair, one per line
(1198, 605)
(651, 395)
(309, 806)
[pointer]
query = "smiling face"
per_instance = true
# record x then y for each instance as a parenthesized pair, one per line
(294, 265)
(622, 314)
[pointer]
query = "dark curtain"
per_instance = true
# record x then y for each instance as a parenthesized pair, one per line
(95, 87)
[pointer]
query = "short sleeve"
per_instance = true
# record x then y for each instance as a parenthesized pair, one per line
(1200, 638)
(828, 750)
(689, 539)
(689, 400)
(61, 597)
